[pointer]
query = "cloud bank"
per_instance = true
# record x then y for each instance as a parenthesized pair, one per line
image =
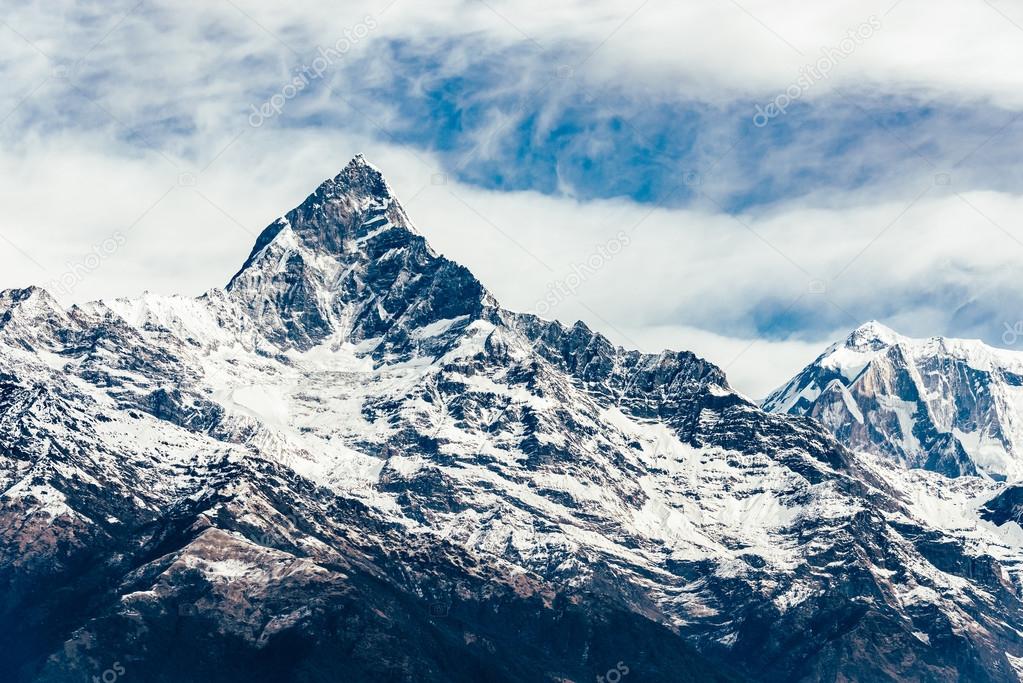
(145, 146)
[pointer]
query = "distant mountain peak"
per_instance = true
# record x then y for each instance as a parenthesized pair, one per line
(18, 295)
(32, 315)
(873, 335)
(28, 302)
(943, 404)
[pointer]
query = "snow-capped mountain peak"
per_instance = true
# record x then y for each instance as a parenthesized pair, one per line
(950, 405)
(872, 335)
(344, 211)
(27, 303)
(360, 177)
(32, 316)
(349, 261)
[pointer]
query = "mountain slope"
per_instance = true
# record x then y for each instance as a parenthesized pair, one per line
(947, 405)
(353, 462)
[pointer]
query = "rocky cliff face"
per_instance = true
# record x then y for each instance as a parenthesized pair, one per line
(352, 463)
(946, 405)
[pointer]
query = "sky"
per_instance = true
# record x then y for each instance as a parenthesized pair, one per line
(749, 180)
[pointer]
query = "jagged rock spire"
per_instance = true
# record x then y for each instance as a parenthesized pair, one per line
(349, 260)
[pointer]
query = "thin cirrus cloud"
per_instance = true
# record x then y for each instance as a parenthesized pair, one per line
(888, 189)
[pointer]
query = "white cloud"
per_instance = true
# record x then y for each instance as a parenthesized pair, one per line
(683, 274)
(215, 53)
(754, 367)
(184, 75)
(705, 49)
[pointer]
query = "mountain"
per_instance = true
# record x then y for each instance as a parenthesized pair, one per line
(947, 405)
(352, 463)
